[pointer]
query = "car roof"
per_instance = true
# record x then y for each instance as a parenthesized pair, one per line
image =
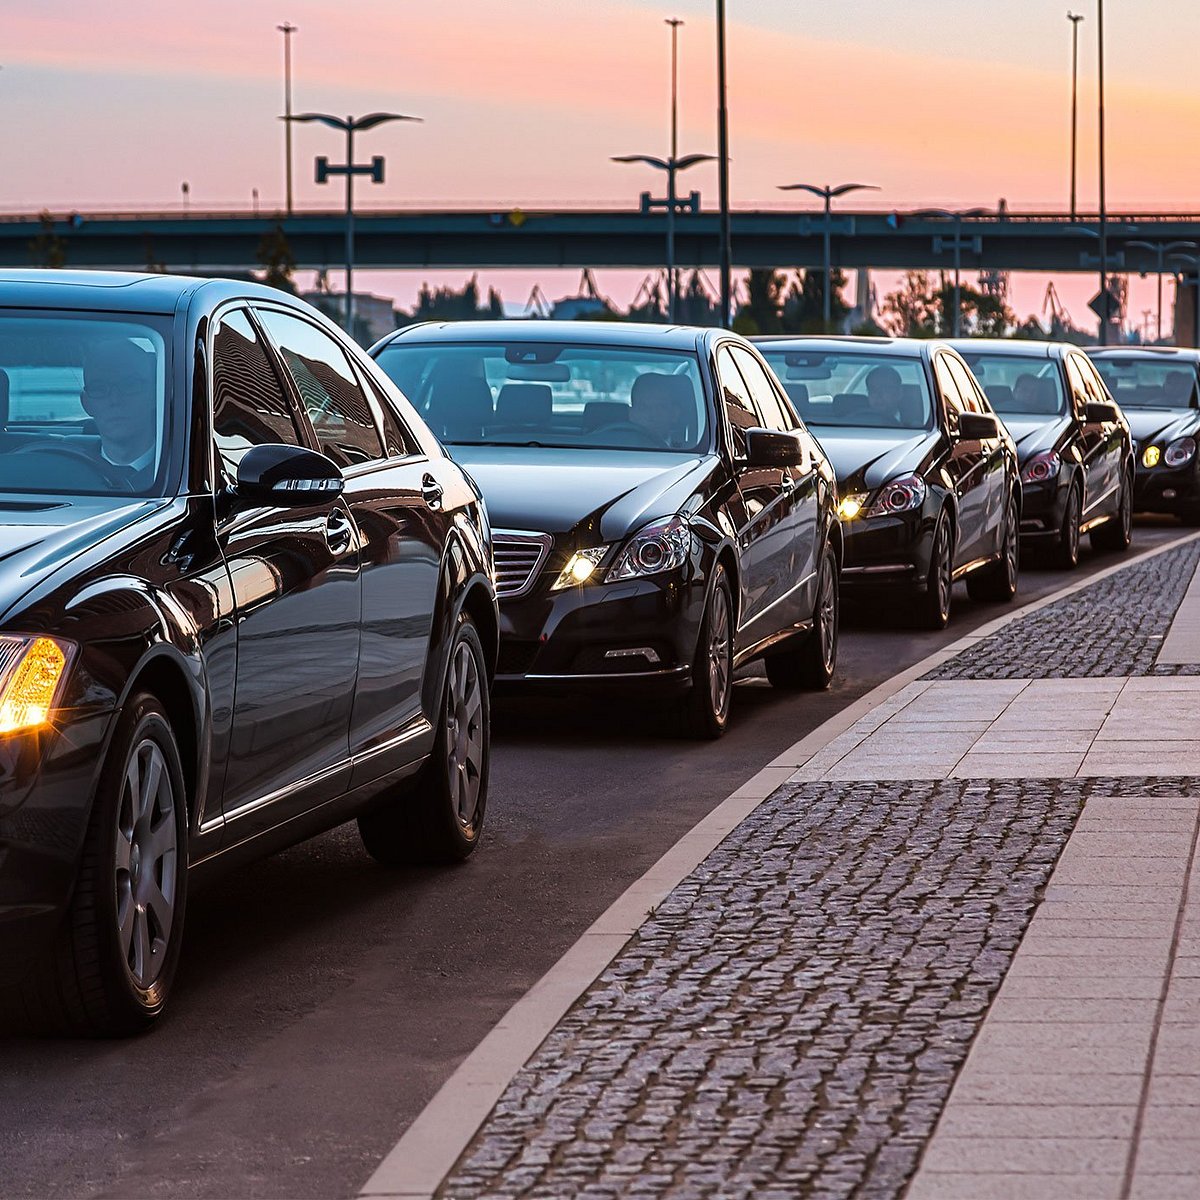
(898, 347)
(1019, 347)
(580, 333)
(1148, 353)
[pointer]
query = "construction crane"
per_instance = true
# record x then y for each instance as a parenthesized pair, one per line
(1060, 319)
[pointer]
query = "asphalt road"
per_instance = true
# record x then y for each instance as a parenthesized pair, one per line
(323, 1000)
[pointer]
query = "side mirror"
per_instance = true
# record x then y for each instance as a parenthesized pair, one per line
(772, 448)
(286, 475)
(978, 427)
(1101, 412)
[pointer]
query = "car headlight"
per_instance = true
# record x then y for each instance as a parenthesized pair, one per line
(1041, 467)
(1180, 451)
(898, 496)
(31, 672)
(849, 506)
(1151, 456)
(661, 546)
(581, 566)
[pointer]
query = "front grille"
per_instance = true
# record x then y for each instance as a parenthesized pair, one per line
(10, 651)
(519, 556)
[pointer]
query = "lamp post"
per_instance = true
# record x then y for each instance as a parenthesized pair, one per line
(1074, 18)
(1103, 211)
(957, 217)
(1160, 251)
(287, 29)
(672, 166)
(1194, 262)
(726, 252)
(350, 126)
(828, 194)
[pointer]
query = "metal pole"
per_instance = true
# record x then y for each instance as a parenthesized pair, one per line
(671, 239)
(1074, 18)
(827, 306)
(350, 226)
(726, 255)
(287, 29)
(1161, 250)
(672, 279)
(957, 268)
(1103, 211)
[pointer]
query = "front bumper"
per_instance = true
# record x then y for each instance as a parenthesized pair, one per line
(885, 553)
(1043, 509)
(1166, 489)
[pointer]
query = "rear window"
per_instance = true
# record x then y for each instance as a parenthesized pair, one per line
(1020, 384)
(1148, 383)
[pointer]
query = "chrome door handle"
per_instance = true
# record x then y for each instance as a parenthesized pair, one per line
(339, 532)
(431, 492)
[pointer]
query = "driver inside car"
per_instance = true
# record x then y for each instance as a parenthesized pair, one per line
(658, 405)
(121, 396)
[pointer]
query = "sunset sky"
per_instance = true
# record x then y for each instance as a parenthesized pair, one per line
(940, 102)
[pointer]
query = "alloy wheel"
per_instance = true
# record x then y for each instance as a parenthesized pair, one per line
(1012, 549)
(147, 863)
(943, 570)
(719, 666)
(827, 616)
(1071, 531)
(464, 734)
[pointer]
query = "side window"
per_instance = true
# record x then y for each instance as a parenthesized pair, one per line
(336, 404)
(1096, 390)
(250, 407)
(397, 441)
(1079, 387)
(766, 399)
(735, 396)
(968, 390)
(948, 386)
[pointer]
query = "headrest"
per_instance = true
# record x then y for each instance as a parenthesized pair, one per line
(798, 394)
(598, 413)
(912, 405)
(524, 404)
(1001, 396)
(460, 405)
(655, 386)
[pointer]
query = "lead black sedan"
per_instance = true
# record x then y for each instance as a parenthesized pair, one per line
(661, 513)
(1073, 443)
(926, 473)
(244, 597)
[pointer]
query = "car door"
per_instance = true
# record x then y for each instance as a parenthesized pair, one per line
(295, 583)
(763, 535)
(1105, 441)
(966, 468)
(395, 501)
(800, 502)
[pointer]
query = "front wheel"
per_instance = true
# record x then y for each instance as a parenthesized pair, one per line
(1065, 554)
(439, 819)
(1115, 535)
(998, 582)
(933, 606)
(811, 665)
(705, 712)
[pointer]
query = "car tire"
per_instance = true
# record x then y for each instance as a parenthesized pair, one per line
(1065, 554)
(933, 605)
(705, 709)
(811, 665)
(110, 970)
(1113, 537)
(997, 583)
(438, 817)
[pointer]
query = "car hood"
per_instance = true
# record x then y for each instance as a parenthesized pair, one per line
(39, 536)
(865, 459)
(1034, 434)
(552, 490)
(1161, 424)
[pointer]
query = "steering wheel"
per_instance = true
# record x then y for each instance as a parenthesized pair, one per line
(98, 469)
(625, 426)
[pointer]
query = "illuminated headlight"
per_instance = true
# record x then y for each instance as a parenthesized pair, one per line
(581, 566)
(850, 506)
(899, 496)
(1151, 456)
(31, 672)
(662, 546)
(1041, 467)
(1180, 451)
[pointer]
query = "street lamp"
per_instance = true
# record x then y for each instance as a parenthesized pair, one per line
(726, 252)
(672, 166)
(350, 126)
(1160, 250)
(1074, 18)
(957, 218)
(828, 194)
(1103, 211)
(287, 29)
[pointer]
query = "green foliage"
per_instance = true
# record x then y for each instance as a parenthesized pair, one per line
(48, 249)
(981, 314)
(911, 310)
(764, 302)
(276, 258)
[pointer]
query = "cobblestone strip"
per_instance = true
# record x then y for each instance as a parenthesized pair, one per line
(791, 1019)
(1114, 627)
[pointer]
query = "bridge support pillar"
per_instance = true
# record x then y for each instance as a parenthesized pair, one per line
(1187, 316)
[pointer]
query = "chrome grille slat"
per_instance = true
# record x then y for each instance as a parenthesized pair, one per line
(519, 556)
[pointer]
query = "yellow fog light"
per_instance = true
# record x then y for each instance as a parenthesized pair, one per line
(1151, 456)
(581, 566)
(29, 687)
(850, 506)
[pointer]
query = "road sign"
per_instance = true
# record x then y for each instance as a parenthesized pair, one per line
(1105, 305)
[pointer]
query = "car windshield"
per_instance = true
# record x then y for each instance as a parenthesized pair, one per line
(854, 388)
(82, 403)
(525, 393)
(1148, 382)
(1020, 384)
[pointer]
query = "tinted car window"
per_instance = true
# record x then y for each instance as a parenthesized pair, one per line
(333, 398)
(1149, 383)
(735, 393)
(948, 386)
(968, 390)
(1079, 385)
(250, 407)
(1019, 383)
(770, 408)
(854, 388)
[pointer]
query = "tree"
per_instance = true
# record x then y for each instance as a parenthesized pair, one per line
(764, 302)
(48, 248)
(911, 310)
(448, 304)
(982, 314)
(804, 305)
(276, 258)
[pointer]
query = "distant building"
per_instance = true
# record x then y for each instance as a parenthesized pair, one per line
(374, 316)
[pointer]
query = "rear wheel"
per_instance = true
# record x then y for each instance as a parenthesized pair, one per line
(933, 605)
(439, 818)
(1114, 536)
(810, 666)
(706, 706)
(1065, 554)
(998, 581)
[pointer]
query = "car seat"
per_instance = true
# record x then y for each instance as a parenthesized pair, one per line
(598, 413)
(525, 404)
(459, 407)
(1001, 396)
(911, 409)
(798, 394)
(655, 387)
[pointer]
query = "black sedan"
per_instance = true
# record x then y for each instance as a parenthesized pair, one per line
(1158, 389)
(1073, 443)
(244, 597)
(661, 514)
(927, 475)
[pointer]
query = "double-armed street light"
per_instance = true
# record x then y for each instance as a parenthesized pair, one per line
(1074, 18)
(957, 217)
(1160, 250)
(287, 29)
(828, 193)
(350, 126)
